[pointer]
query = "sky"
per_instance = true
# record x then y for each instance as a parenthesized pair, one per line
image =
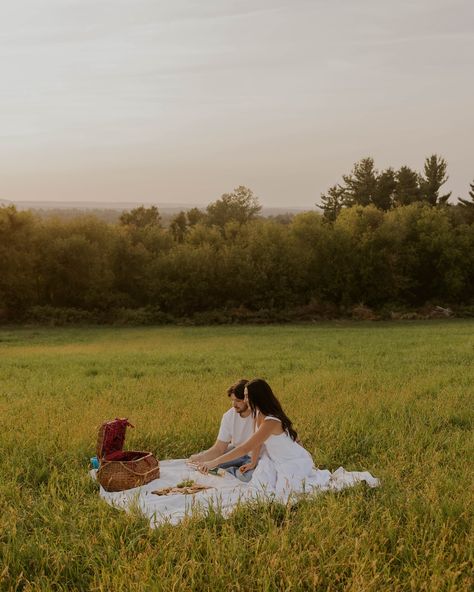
(179, 101)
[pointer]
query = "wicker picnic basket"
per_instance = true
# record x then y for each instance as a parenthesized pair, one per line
(122, 469)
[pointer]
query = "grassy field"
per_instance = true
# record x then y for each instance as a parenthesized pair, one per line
(394, 399)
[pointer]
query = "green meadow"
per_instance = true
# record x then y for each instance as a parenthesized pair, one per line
(392, 398)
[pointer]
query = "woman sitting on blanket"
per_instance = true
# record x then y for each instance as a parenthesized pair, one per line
(284, 463)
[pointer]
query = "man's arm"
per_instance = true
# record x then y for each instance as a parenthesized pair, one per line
(217, 449)
(220, 445)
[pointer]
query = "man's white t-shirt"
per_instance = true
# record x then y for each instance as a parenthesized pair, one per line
(235, 429)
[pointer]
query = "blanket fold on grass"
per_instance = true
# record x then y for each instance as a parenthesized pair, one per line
(222, 493)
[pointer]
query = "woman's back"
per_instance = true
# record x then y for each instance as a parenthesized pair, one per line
(281, 448)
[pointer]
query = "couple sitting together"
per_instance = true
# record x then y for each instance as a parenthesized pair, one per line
(257, 443)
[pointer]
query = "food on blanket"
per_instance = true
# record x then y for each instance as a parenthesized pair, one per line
(218, 472)
(186, 483)
(185, 490)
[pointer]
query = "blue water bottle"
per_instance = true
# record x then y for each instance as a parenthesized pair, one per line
(95, 462)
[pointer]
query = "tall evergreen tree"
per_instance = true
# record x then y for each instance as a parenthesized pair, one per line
(385, 190)
(361, 183)
(332, 202)
(407, 188)
(434, 177)
(469, 203)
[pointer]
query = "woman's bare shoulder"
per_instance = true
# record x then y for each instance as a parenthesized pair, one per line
(273, 423)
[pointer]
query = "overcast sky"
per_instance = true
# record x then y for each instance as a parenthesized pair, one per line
(181, 100)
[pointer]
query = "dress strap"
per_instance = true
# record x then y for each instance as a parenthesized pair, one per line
(271, 417)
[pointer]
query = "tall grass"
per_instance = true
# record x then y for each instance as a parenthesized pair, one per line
(395, 399)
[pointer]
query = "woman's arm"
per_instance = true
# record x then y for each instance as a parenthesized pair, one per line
(253, 462)
(263, 432)
(217, 449)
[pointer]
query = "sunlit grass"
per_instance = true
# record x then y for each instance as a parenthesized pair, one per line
(395, 399)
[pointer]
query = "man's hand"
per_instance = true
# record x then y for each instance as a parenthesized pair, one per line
(205, 467)
(194, 457)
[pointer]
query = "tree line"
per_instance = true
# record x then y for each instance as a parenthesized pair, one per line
(389, 188)
(384, 239)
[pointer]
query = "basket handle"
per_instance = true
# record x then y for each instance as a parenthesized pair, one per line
(125, 421)
(139, 474)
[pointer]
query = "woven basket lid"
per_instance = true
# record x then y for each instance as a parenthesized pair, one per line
(111, 437)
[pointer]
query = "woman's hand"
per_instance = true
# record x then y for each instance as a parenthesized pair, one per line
(205, 467)
(247, 467)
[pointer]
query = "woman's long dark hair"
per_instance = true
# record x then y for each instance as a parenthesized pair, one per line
(261, 397)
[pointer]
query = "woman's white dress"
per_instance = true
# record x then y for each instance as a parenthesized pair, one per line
(283, 466)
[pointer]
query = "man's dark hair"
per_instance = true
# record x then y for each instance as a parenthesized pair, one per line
(237, 389)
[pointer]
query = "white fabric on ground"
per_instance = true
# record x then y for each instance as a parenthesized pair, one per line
(227, 491)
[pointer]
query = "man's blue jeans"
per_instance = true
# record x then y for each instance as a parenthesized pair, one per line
(232, 467)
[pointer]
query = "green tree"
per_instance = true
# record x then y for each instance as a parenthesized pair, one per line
(141, 217)
(468, 203)
(269, 254)
(240, 206)
(383, 197)
(74, 263)
(367, 280)
(314, 262)
(18, 256)
(428, 256)
(464, 210)
(194, 216)
(434, 178)
(131, 266)
(361, 184)
(143, 226)
(407, 188)
(73, 272)
(332, 201)
(178, 227)
(186, 279)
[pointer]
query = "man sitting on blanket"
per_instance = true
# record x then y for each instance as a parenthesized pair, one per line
(237, 425)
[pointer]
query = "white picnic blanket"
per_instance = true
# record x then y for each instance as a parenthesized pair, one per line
(225, 494)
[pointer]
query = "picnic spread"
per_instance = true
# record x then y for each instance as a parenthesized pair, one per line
(170, 490)
(223, 493)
